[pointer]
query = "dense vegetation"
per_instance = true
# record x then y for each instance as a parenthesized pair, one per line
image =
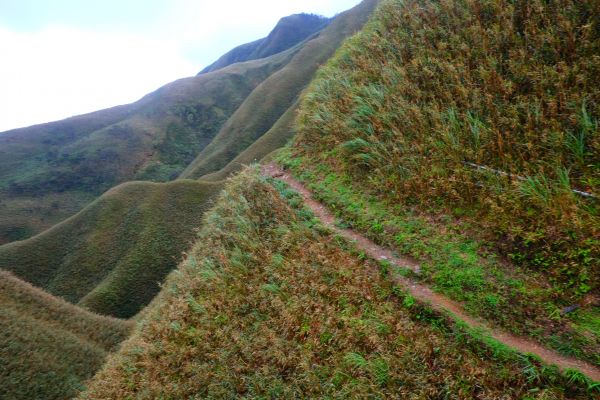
(273, 97)
(48, 347)
(288, 32)
(270, 305)
(112, 256)
(458, 265)
(430, 89)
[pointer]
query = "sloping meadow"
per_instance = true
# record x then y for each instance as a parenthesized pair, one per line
(482, 110)
(112, 256)
(269, 304)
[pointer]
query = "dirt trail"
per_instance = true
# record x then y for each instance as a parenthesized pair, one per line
(424, 293)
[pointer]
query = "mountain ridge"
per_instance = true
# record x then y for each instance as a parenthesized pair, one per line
(288, 32)
(368, 259)
(112, 256)
(275, 95)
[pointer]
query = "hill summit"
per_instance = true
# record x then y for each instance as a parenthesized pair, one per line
(288, 32)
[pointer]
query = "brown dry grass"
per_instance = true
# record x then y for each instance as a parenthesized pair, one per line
(269, 305)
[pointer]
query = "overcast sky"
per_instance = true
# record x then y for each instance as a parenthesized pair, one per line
(60, 58)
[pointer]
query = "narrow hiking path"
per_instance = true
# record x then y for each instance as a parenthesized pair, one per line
(424, 293)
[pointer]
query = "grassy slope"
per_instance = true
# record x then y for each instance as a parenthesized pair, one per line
(385, 128)
(261, 110)
(48, 347)
(275, 138)
(112, 255)
(270, 305)
(49, 171)
(289, 32)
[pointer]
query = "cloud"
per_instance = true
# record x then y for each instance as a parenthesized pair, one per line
(60, 72)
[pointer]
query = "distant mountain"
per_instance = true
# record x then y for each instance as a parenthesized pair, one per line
(48, 347)
(403, 136)
(111, 256)
(289, 32)
(110, 253)
(280, 133)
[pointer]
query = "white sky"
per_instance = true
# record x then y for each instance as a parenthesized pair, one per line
(60, 58)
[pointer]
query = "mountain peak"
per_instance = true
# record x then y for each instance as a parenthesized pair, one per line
(288, 32)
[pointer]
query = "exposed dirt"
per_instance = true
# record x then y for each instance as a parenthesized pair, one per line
(424, 293)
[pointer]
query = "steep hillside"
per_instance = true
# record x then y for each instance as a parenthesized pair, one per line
(270, 305)
(48, 347)
(273, 97)
(112, 256)
(464, 133)
(50, 171)
(277, 137)
(288, 32)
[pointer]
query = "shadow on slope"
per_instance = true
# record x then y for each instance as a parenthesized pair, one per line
(49, 347)
(274, 139)
(112, 256)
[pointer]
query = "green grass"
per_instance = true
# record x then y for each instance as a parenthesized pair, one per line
(217, 115)
(273, 97)
(269, 305)
(112, 256)
(48, 347)
(24, 216)
(453, 262)
(428, 89)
